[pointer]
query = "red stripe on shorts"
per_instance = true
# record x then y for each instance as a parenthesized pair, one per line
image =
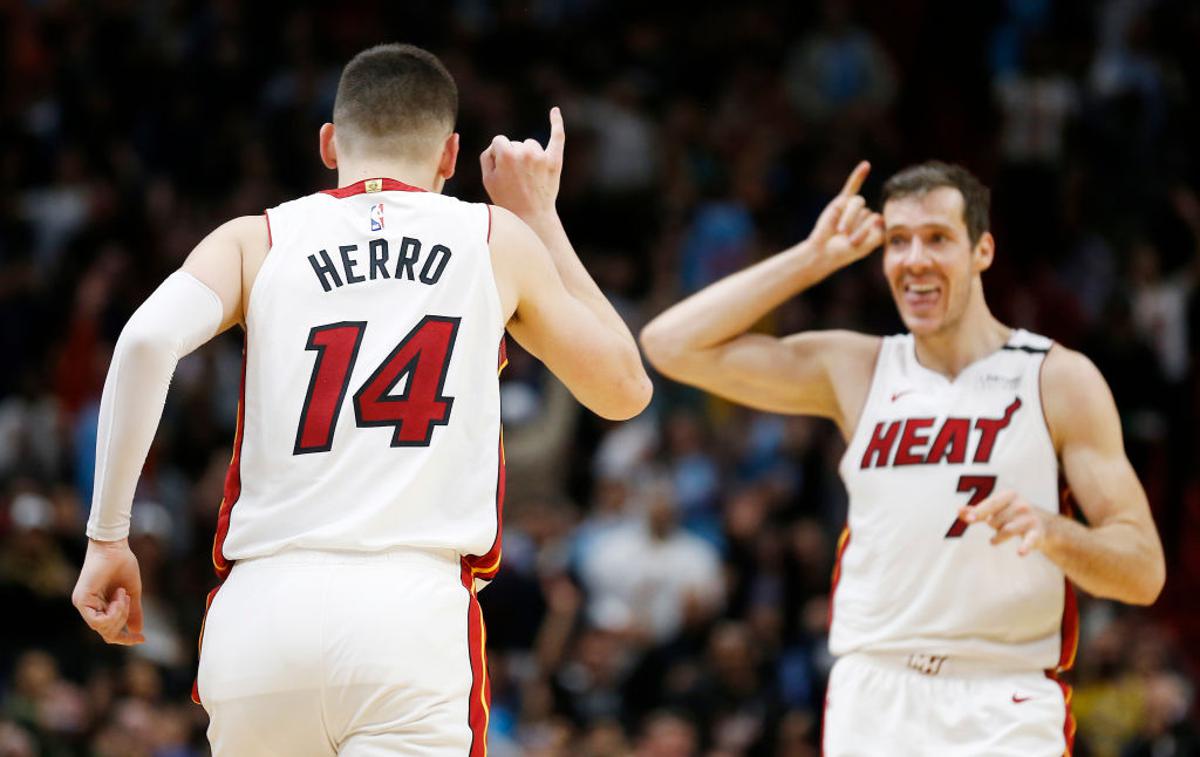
(481, 687)
(1068, 719)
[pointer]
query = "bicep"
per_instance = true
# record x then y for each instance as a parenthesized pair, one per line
(217, 262)
(1086, 429)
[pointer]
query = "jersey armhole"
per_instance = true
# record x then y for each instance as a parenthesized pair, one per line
(1041, 374)
(494, 287)
(871, 389)
(264, 269)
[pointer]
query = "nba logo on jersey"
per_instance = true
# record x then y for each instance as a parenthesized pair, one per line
(377, 217)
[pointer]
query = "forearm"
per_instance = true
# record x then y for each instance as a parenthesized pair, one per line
(731, 306)
(1113, 560)
(177, 318)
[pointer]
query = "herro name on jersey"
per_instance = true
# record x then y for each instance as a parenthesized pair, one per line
(353, 265)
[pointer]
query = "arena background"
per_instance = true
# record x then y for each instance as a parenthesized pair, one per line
(665, 583)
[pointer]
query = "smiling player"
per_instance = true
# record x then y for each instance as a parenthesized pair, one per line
(949, 635)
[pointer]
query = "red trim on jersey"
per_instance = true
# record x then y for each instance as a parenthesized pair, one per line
(270, 243)
(479, 707)
(1070, 620)
(233, 483)
(489, 234)
(843, 542)
(1070, 630)
(360, 187)
(233, 491)
(1068, 718)
(486, 566)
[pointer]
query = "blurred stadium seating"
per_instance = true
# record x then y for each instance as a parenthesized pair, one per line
(666, 580)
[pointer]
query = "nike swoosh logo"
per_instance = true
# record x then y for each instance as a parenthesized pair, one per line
(1018, 700)
(898, 395)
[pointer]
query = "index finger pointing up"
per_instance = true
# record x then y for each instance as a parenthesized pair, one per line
(558, 136)
(856, 179)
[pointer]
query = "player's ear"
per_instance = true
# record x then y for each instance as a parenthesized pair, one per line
(985, 252)
(328, 146)
(449, 157)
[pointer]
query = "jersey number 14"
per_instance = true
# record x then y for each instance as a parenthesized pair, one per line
(423, 357)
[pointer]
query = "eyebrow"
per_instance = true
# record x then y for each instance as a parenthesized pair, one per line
(930, 226)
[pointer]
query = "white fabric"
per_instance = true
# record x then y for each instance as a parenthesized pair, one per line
(903, 586)
(324, 653)
(182, 314)
(876, 707)
(363, 492)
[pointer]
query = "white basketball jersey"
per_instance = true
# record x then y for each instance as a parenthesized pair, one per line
(371, 410)
(911, 578)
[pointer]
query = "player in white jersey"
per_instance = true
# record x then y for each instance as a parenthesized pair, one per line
(949, 635)
(362, 504)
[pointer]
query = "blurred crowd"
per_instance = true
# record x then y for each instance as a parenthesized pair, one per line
(666, 580)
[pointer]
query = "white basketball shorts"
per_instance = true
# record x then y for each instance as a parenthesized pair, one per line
(353, 654)
(923, 705)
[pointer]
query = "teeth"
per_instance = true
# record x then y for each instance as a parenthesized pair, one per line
(922, 288)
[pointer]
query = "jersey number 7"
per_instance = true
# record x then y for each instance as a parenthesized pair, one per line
(980, 487)
(423, 356)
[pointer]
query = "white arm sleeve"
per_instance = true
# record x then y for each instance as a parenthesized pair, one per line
(182, 314)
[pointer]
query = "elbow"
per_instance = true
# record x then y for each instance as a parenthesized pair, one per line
(631, 398)
(143, 342)
(1145, 585)
(659, 346)
(1150, 585)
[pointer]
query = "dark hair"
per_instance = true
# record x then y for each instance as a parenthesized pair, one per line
(396, 98)
(933, 174)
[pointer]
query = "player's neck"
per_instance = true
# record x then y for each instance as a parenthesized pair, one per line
(976, 335)
(423, 176)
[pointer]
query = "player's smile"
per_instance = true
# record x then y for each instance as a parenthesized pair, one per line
(922, 296)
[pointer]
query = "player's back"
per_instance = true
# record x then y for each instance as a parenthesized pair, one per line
(370, 416)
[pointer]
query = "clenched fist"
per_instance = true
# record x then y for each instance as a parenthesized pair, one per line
(522, 176)
(109, 592)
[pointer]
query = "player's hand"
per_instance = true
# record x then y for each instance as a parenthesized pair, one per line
(1011, 516)
(522, 176)
(847, 229)
(109, 592)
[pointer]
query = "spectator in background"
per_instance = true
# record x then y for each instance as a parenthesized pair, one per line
(839, 72)
(652, 579)
(715, 133)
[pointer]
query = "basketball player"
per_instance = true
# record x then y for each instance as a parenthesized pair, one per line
(950, 612)
(362, 504)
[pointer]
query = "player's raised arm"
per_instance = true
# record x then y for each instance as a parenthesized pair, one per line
(1118, 554)
(190, 307)
(555, 309)
(705, 340)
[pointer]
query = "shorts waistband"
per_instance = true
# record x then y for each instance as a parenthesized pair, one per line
(396, 555)
(940, 665)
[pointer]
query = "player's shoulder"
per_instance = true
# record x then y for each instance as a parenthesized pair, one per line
(1068, 372)
(1076, 400)
(243, 230)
